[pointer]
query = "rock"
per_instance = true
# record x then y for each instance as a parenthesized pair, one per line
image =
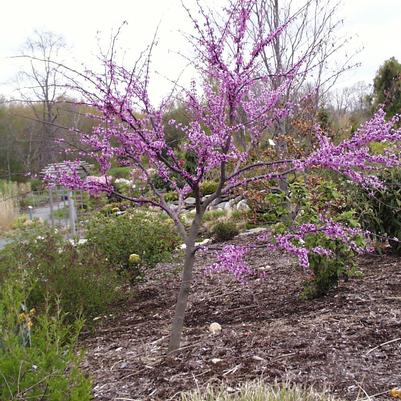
(204, 242)
(243, 205)
(237, 199)
(205, 197)
(228, 206)
(256, 230)
(264, 268)
(231, 203)
(190, 201)
(215, 328)
(222, 205)
(173, 206)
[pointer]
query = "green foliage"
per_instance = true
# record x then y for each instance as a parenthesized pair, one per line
(213, 215)
(257, 391)
(61, 214)
(208, 187)
(171, 196)
(173, 135)
(327, 270)
(387, 86)
(120, 172)
(276, 207)
(380, 211)
(142, 232)
(324, 119)
(79, 276)
(34, 200)
(48, 367)
(224, 231)
(36, 185)
(239, 215)
(307, 204)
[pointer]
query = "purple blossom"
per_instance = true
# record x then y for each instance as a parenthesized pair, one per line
(231, 260)
(233, 99)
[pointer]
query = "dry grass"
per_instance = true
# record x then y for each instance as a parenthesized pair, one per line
(258, 391)
(8, 213)
(9, 207)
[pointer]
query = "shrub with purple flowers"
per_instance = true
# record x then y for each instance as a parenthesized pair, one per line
(325, 244)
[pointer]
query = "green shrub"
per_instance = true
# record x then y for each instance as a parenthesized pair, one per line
(257, 391)
(145, 233)
(276, 207)
(208, 187)
(120, 172)
(46, 367)
(171, 196)
(308, 202)
(36, 185)
(224, 231)
(380, 212)
(327, 270)
(213, 215)
(79, 275)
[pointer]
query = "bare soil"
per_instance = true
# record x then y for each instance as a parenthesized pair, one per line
(337, 342)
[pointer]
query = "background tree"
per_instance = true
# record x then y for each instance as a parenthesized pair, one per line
(313, 36)
(41, 87)
(223, 107)
(387, 87)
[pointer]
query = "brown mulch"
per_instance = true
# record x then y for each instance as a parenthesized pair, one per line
(268, 332)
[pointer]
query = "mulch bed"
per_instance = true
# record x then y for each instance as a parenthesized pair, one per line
(268, 332)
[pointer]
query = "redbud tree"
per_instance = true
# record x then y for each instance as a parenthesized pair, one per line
(230, 109)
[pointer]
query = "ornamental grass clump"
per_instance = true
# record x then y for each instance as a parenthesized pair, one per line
(258, 391)
(224, 231)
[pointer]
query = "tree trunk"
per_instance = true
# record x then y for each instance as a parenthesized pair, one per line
(182, 300)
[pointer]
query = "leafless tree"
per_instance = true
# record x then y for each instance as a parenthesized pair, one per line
(351, 98)
(40, 86)
(312, 37)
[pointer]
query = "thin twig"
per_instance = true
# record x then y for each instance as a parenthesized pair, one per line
(383, 344)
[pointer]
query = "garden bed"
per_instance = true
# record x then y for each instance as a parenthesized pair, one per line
(267, 332)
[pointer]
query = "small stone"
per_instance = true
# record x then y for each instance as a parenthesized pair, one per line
(215, 328)
(228, 205)
(222, 205)
(190, 201)
(243, 205)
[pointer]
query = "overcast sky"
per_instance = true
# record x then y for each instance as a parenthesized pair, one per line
(374, 25)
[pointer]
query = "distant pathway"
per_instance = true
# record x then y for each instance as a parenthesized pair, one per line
(42, 213)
